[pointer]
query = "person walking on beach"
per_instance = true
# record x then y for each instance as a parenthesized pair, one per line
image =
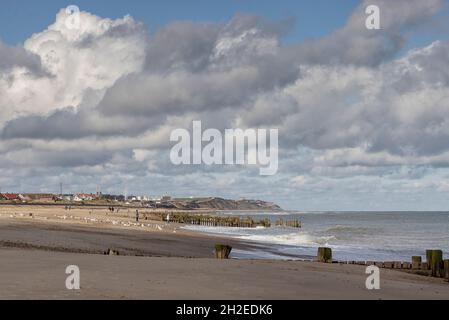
(137, 215)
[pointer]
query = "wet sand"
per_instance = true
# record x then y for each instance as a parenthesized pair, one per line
(95, 240)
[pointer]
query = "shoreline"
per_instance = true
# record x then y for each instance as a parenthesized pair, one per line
(99, 220)
(94, 220)
(28, 226)
(80, 230)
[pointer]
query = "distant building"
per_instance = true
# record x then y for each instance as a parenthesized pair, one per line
(66, 197)
(84, 197)
(24, 197)
(10, 196)
(112, 197)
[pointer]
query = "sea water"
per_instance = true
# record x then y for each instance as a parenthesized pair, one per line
(361, 236)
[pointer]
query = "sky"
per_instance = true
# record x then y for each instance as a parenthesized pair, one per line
(31, 16)
(312, 18)
(362, 114)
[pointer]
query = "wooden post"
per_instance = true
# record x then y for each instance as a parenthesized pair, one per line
(324, 255)
(446, 269)
(222, 251)
(111, 252)
(425, 267)
(416, 262)
(428, 256)
(435, 262)
(379, 264)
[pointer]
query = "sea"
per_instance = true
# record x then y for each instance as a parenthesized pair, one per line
(353, 236)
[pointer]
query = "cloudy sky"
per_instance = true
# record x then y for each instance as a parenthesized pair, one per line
(363, 115)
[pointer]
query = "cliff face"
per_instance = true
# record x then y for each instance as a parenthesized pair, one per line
(225, 204)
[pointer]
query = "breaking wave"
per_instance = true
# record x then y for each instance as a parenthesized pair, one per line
(293, 239)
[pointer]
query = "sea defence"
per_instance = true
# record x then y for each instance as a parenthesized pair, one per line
(224, 221)
(434, 266)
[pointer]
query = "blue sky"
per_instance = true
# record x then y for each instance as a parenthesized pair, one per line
(313, 18)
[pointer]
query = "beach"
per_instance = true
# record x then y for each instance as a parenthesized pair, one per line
(165, 261)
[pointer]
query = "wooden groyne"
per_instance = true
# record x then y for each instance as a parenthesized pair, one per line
(217, 221)
(434, 266)
(223, 221)
(288, 223)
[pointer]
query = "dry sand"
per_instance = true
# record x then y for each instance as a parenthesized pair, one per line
(41, 275)
(175, 264)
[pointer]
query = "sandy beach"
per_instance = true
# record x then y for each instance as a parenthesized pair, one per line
(29, 274)
(160, 261)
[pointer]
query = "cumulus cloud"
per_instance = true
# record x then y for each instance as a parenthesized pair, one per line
(355, 44)
(11, 57)
(99, 103)
(78, 65)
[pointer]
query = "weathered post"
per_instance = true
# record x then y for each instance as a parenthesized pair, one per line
(446, 269)
(416, 262)
(324, 255)
(222, 251)
(428, 256)
(379, 264)
(111, 252)
(406, 265)
(435, 261)
(425, 267)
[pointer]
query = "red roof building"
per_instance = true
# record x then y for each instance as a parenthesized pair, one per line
(9, 196)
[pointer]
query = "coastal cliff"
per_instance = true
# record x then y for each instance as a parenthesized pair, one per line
(224, 204)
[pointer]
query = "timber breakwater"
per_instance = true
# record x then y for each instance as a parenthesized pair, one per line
(434, 266)
(226, 221)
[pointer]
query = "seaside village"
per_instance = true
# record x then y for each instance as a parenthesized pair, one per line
(87, 198)
(191, 210)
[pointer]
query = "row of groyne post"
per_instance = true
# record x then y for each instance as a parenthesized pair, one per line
(433, 266)
(224, 221)
(288, 223)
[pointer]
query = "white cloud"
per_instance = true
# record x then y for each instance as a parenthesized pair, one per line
(77, 63)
